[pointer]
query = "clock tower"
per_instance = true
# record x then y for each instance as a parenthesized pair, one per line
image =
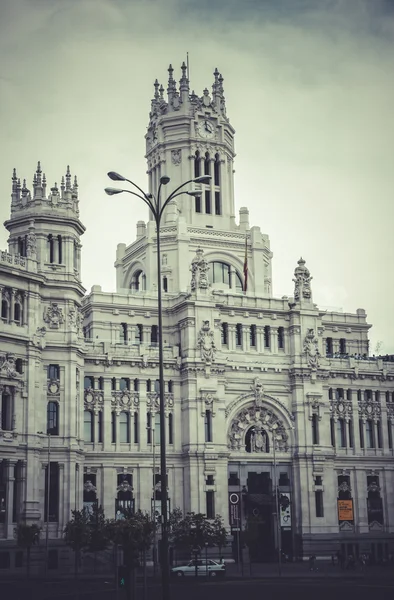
(188, 136)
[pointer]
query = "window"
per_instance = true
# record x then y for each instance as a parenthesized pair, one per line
(113, 427)
(136, 385)
(101, 383)
(157, 428)
(267, 336)
(233, 479)
(22, 246)
(124, 331)
(238, 335)
(208, 426)
(281, 338)
(342, 346)
(138, 281)
(253, 336)
(315, 429)
(197, 201)
(197, 164)
(216, 171)
(207, 202)
(318, 480)
(170, 386)
(154, 338)
(149, 436)
(157, 386)
(88, 382)
(113, 384)
(165, 284)
(170, 429)
(53, 493)
(350, 433)
(224, 334)
(100, 426)
(319, 503)
(53, 418)
(361, 429)
(210, 502)
(124, 502)
(220, 273)
(51, 248)
(136, 428)
(139, 334)
(369, 434)
(210, 480)
(329, 346)
(377, 396)
(124, 383)
(332, 431)
(88, 426)
(148, 385)
(53, 372)
(19, 365)
(4, 309)
(17, 312)
(89, 492)
(390, 433)
(124, 427)
(341, 433)
(6, 412)
(60, 249)
(218, 204)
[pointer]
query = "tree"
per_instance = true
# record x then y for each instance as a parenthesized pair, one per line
(77, 534)
(133, 534)
(99, 534)
(219, 533)
(27, 536)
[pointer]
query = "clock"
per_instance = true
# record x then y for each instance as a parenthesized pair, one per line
(206, 129)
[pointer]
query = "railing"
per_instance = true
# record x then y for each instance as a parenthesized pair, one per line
(12, 259)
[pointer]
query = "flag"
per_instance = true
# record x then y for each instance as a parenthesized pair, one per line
(246, 265)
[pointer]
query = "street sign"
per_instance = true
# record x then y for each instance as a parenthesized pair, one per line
(234, 509)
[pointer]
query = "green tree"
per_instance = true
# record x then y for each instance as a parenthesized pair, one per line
(99, 533)
(27, 536)
(219, 533)
(77, 534)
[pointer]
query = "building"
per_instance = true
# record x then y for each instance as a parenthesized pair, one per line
(262, 393)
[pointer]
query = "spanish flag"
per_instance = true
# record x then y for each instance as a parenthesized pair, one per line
(246, 265)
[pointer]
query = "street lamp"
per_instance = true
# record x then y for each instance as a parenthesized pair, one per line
(156, 207)
(279, 531)
(47, 497)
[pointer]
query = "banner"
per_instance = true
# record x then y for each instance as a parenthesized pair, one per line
(234, 501)
(285, 510)
(345, 510)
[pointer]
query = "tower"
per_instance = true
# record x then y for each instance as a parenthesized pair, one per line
(190, 135)
(45, 227)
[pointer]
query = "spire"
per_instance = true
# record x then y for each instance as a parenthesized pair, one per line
(44, 185)
(156, 86)
(171, 89)
(68, 179)
(14, 179)
(302, 280)
(161, 90)
(215, 86)
(38, 171)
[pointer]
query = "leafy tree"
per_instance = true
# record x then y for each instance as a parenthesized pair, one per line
(99, 534)
(219, 533)
(77, 534)
(27, 536)
(191, 531)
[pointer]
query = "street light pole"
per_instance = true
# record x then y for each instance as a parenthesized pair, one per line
(279, 532)
(154, 496)
(47, 499)
(157, 208)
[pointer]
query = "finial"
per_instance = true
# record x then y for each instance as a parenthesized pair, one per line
(161, 90)
(68, 178)
(156, 85)
(75, 182)
(18, 183)
(38, 167)
(170, 71)
(34, 179)
(184, 70)
(24, 184)
(14, 177)
(44, 178)
(62, 183)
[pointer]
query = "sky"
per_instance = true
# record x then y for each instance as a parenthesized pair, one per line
(309, 90)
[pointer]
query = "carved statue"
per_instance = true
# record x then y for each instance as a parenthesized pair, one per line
(53, 315)
(311, 349)
(31, 244)
(199, 269)
(8, 366)
(176, 156)
(258, 440)
(206, 343)
(302, 280)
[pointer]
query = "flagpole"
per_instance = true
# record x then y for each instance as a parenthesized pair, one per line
(246, 265)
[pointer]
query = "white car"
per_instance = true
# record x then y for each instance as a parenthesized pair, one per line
(210, 568)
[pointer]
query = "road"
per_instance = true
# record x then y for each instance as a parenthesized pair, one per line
(307, 589)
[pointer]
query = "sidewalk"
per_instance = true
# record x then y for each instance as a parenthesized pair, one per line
(301, 570)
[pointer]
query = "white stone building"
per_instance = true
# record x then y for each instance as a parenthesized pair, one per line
(240, 366)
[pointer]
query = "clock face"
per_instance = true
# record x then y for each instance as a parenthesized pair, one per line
(206, 129)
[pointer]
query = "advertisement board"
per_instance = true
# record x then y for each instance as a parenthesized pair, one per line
(285, 510)
(345, 510)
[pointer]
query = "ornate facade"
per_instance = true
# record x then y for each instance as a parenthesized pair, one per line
(262, 394)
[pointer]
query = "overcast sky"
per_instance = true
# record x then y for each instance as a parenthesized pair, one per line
(310, 91)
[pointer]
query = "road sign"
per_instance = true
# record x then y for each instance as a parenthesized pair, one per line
(234, 509)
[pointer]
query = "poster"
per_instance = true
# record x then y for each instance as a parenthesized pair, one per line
(235, 510)
(345, 510)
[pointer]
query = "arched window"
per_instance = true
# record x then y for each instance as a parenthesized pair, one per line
(138, 281)
(75, 256)
(22, 246)
(281, 338)
(221, 273)
(4, 310)
(51, 248)
(207, 164)
(197, 164)
(17, 312)
(19, 365)
(53, 418)
(216, 172)
(124, 427)
(267, 336)
(136, 385)
(165, 284)
(170, 386)
(60, 249)
(88, 426)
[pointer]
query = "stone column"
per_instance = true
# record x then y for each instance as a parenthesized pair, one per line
(25, 309)
(22, 486)
(231, 337)
(12, 305)
(9, 502)
(260, 339)
(108, 490)
(146, 336)
(246, 338)
(274, 340)
(107, 416)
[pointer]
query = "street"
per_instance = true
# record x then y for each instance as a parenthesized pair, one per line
(308, 588)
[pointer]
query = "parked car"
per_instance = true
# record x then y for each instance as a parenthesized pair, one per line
(214, 569)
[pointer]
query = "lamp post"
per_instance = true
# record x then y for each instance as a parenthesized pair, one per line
(279, 531)
(47, 498)
(156, 206)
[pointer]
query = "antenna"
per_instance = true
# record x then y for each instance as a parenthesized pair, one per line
(187, 65)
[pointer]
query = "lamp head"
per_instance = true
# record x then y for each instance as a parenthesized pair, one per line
(112, 191)
(164, 180)
(203, 179)
(115, 176)
(195, 194)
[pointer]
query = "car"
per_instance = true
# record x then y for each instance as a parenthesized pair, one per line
(204, 568)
